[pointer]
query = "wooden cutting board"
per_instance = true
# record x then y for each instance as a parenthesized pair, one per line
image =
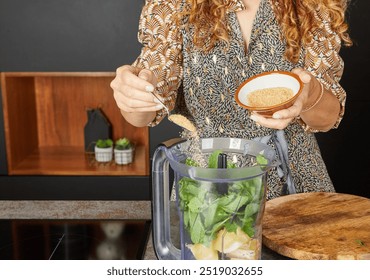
(321, 226)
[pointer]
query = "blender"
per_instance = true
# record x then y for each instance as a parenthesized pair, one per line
(219, 189)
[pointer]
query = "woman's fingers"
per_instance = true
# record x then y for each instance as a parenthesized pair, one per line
(132, 90)
(303, 75)
(148, 76)
(289, 113)
(270, 122)
(136, 100)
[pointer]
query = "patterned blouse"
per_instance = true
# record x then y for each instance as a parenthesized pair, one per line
(202, 85)
(162, 52)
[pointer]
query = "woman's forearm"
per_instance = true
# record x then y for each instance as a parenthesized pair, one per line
(324, 114)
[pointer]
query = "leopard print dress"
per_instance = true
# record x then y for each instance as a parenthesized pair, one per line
(207, 97)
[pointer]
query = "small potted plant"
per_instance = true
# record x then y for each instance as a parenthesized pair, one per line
(104, 150)
(123, 151)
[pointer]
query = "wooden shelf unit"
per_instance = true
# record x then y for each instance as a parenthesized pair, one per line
(44, 118)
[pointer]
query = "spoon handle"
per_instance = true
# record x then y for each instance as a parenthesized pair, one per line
(165, 107)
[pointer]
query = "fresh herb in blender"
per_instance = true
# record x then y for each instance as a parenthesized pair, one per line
(222, 223)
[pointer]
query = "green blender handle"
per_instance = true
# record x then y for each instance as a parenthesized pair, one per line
(163, 247)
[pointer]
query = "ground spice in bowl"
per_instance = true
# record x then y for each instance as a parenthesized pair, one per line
(269, 96)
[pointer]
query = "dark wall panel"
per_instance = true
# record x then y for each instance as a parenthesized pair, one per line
(68, 35)
(346, 149)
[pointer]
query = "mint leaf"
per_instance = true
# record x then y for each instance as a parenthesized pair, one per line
(192, 217)
(226, 199)
(251, 209)
(188, 188)
(191, 162)
(197, 234)
(231, 164)
(261, 160)
(235, 202)
(217, 226)
(231, 226)
(213, 159)
(248, 226)
(209, 215)
(195, 205)
(186, 219)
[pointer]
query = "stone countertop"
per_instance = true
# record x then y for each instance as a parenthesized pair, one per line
(65, 209)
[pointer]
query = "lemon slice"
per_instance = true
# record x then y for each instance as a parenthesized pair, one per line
(227, 242)
(202, 252)
(244, 252)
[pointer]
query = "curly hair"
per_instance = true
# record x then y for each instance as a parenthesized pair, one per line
(297, 18)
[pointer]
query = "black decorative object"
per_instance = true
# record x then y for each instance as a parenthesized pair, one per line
(97, 127)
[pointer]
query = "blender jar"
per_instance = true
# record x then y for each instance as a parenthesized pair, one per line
(220, 190)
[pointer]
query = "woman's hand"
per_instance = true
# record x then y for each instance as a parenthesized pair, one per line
(133, 92)
(281, 119)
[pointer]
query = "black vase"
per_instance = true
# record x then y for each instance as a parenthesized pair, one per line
(97, 127)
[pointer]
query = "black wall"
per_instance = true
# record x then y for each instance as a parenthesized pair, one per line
(346, 149)
(68, 35)
(95, 35)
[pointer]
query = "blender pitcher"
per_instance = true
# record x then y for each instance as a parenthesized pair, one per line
(220, 189)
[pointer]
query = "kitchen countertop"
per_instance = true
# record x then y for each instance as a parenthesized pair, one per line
(96, 210)
(67, 209)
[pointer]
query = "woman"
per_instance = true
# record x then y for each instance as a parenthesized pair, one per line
(197, 52)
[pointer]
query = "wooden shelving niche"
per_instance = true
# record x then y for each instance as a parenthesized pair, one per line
(44, 118)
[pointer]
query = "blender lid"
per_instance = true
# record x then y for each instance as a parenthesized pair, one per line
(242, 152)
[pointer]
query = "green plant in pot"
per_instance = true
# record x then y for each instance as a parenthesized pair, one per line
(123, 151)
(104, 150)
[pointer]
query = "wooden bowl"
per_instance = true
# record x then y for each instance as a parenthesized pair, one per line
(268, 80)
